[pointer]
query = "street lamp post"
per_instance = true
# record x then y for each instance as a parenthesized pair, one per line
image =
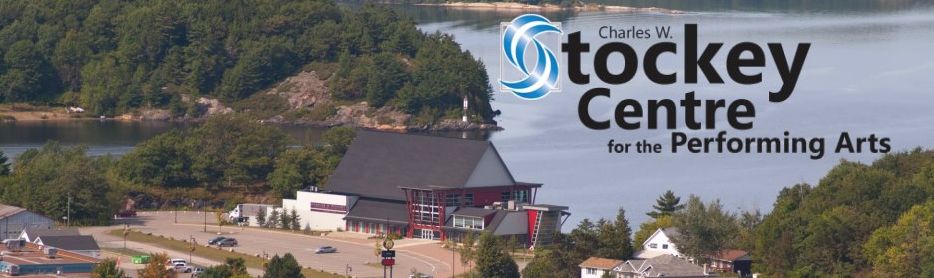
(191, 246)
(126, 232)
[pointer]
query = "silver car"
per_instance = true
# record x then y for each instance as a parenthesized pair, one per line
(326, 249)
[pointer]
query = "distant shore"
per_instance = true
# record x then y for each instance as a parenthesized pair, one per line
(512, 6)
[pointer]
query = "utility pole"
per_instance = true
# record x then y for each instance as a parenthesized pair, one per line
(453, 251)
(205, 213)
(68, 213)
(191, 246)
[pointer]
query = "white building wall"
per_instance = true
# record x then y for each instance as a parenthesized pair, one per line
(320, 211)
(592, 272)
(12, 226)
(660, 241)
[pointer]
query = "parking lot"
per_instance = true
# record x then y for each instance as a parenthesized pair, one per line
(355, 254)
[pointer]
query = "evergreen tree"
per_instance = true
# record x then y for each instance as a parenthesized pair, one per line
(285, 220)
(107, 269)
(284, 267)
(492, 259)
(615, 238)
(261, 217)
(666, 205)
(4, 165)
(273, 221)
(295, 220)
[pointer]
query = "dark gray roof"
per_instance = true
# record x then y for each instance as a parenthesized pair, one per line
(71, 243)
(33, 233)
(377, 164)
(672, 232)
(472, 211)
(378, 211)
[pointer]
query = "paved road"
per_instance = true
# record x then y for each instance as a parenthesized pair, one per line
(106, 240)
(353, 251)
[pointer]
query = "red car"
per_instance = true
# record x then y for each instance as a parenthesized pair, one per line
(127, 213)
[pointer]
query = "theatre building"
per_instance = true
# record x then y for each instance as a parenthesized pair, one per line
(427, 187)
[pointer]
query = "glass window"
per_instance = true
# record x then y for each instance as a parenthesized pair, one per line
(451, 199)
(591, 271)
(664, 246)
(468, 222)
(468, 199)
(522, 196)
(653, 245)
(506, 196)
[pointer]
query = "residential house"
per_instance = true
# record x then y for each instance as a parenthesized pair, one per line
(84, 245)
(666, 265)
(595, 267)
(731, 261)
(659, 243)
(14, 219)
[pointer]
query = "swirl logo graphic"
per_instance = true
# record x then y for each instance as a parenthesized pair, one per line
(517, 36)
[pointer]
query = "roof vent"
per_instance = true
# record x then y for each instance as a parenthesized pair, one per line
(50, 252)
(14, 245)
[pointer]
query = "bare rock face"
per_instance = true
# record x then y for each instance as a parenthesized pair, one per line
(362, 115)
(213, 106)
(155, 115)
(303, 90)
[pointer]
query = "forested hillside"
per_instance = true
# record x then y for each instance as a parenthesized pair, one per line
(858, 219)
(113, 57)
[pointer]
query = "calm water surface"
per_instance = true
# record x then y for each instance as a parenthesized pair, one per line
(869, 70)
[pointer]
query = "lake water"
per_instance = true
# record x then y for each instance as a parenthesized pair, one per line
(869, 70)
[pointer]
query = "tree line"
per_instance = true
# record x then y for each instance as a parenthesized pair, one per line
(223, 153)
(113, 57)
(860, 219)
(278, 267)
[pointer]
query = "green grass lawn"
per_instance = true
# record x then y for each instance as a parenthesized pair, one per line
(210, 253)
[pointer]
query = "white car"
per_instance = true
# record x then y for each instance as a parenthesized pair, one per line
(182, 268)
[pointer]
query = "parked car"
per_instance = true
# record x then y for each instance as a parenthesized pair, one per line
(215, 240)
(326, 249)
(172, 262)
(197, 271)
(227, 242)
(419, 275)
(126, 213)
(181, 267)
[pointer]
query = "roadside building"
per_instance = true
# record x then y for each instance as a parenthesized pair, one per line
(731, 261)
(661, 266)
(13, 220)
(426, 187)
(21, 258)
(30, 234)
(84, 245)
(595, 267)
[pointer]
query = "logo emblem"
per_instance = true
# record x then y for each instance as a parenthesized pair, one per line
(543, 76)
